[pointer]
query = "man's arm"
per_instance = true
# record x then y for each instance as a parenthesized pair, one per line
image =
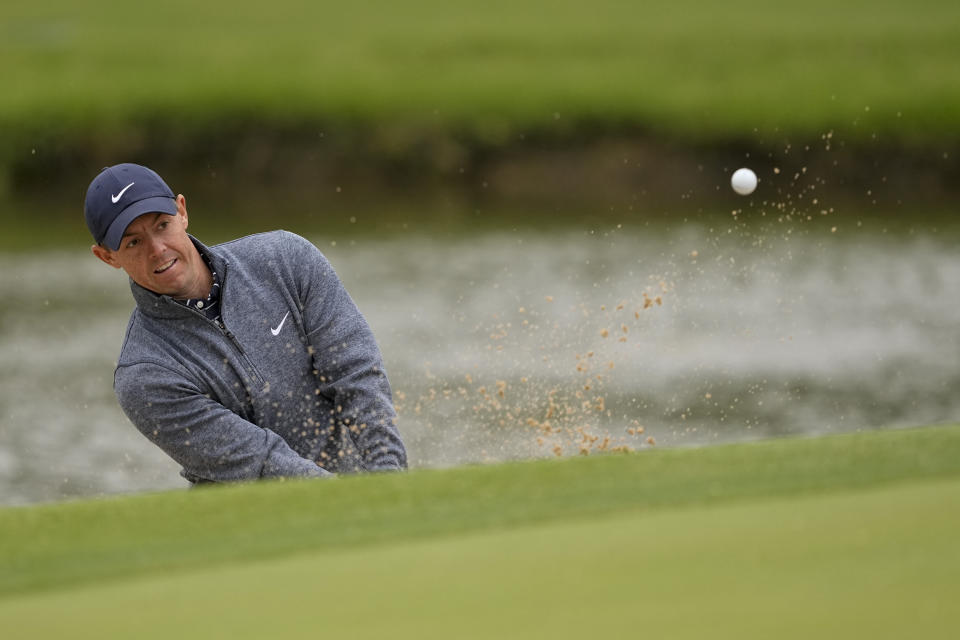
(348, 362)
(207, 439)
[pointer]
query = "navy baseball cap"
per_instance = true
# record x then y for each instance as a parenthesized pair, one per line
(119, 195)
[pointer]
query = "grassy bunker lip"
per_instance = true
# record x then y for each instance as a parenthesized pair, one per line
(59, 545)
(876, 562)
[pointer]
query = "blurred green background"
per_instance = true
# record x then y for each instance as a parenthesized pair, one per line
(492, 102)
(690, 68)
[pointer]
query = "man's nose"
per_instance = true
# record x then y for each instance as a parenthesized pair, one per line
(156, 246)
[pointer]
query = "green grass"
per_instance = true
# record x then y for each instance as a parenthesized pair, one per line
(691, 68)
(838, 509)
(879, 562)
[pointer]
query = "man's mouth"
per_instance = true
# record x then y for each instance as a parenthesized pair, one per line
(165, 266)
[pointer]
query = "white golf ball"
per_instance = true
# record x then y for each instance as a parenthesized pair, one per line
(743, 181)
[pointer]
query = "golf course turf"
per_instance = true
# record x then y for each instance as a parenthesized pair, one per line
(848, 534)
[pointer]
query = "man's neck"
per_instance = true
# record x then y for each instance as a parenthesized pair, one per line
(204, 281)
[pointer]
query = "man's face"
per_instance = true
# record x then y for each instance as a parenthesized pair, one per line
(157, 254)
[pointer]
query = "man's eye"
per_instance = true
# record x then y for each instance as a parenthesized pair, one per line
(132, 244)
(163, 225)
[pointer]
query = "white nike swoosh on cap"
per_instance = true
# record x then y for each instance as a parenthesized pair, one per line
(116, 198)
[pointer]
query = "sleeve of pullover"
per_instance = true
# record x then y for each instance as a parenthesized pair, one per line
(210, 442)
(348, 362)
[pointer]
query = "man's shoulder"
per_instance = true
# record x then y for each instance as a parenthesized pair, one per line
(140, 344)
(141, 339)
(158, 345)
(269, 256)
(268, 244)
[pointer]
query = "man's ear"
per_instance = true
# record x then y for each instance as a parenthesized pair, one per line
(182, 209)
(106, 255)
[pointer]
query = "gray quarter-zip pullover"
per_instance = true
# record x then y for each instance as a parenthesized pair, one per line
(289, 381)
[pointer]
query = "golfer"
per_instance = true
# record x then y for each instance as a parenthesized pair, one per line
(242, 360)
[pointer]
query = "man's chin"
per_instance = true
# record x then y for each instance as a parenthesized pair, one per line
(169, 282)
(161, 288)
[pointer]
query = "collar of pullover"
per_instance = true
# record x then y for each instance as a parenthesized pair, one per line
(163, 306)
